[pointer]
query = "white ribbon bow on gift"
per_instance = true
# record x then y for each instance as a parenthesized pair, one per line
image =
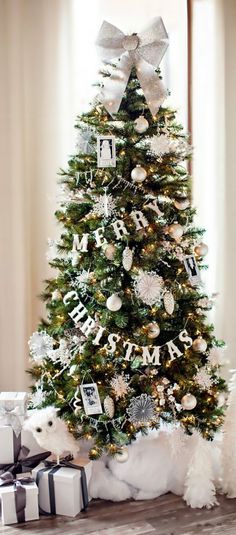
(143, 51)
(12, 417)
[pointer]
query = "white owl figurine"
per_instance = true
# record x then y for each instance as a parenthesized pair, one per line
(51, 432)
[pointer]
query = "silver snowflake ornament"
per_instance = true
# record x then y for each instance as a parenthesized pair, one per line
(141, 410)
(203, 378)
(104, 205)
(38, 397)
(149, 287)
(61, 354)
(120, 385)
(82, 280)
(40, 343)
(164, 144)
(85, 144)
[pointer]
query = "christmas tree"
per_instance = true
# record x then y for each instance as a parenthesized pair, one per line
(127, 343)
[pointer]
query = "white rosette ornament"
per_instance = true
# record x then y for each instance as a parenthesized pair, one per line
(149, 287)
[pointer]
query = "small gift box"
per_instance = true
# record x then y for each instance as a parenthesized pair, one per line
(19, 499)
(63, 488)
(13, 406)
(10, 444)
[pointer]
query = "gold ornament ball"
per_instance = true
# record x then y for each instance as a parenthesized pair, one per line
(181, 204)
(153, 330)
(188, 402)
(138, 174)
(110, 251)
(114, 303)
(199, 345)
(175, 231)
(141, 124)
(201, 249)
(122, 456)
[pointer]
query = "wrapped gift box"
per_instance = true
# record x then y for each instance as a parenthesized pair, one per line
(17, 509)
(10, 444)
(61, 488)
(13, 406)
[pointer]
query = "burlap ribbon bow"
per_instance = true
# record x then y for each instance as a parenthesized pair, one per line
(143, 51)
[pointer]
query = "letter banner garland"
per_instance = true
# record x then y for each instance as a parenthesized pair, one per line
(150, 354)
(144, 51)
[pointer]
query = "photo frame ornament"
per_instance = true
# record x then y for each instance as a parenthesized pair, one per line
(106, 151)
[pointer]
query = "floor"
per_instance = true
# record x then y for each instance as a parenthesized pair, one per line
(167, 515)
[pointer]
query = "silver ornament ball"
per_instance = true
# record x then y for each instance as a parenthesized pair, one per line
(199, 345)
(176, 231)
(114, 303)
(201, 249)
(153, 330)
(123, 456)
(110, 251)
(138, 174)
(188, 402)
(141, 124)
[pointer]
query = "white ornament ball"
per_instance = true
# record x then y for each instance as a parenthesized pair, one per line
(141, 124)
(153, 330)
(199, 345)
(110, 251)
(188, 402)
(201, 249)
(114, 303)
(176, 231)
(123, 456)
(138, 174)
(182, 204)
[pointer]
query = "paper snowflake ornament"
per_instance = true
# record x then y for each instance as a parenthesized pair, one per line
(216, 357)
(149, 287)
(82, 281)
(64, 195)
(120, 385)
(38, 397)
(40, 343)
(61, 354)
(104, 205)
(141, 410)
(203, 378)
(164, 144)
(84, 142)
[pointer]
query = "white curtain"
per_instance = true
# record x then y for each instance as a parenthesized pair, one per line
(214, 130)
(48, 63)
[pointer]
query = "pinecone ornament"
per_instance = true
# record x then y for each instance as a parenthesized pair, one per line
(127, 258)
(109, 406)
(169, 302)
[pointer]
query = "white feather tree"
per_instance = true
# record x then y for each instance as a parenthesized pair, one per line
(228, 450)
(199, 483)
